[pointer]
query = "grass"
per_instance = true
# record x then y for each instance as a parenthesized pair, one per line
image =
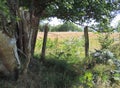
(58, 42)
(62, 50)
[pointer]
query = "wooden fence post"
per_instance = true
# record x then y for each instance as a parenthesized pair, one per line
(86, 41)
(46, 29)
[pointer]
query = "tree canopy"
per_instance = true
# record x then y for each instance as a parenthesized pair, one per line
(73, 10)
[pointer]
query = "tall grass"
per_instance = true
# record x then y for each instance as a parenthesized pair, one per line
(71, 50)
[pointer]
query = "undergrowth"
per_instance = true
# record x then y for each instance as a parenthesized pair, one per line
(66, 67)
(87, 72)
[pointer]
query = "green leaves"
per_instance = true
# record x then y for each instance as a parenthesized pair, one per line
(74, 10)
(4, 10)
(85, 10)
(105, 40)
(87, 79)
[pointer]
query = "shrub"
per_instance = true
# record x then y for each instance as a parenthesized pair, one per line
(102, 56)
(105, 40)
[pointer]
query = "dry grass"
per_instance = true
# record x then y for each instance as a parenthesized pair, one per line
(93, 37)
(62, 35)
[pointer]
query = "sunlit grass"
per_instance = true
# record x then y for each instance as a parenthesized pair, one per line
(55, 44)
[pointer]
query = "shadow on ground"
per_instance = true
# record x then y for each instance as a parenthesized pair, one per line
(50, 74)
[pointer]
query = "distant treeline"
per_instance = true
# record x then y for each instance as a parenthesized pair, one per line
(67, 26)
(70, 26)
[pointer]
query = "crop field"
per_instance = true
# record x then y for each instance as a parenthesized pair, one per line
(93, 37)
(64, 35)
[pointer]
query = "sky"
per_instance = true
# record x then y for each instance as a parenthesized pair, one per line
(55, 21)
(115, 21)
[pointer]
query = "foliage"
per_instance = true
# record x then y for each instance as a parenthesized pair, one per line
(104, 26)
(51, 74)
(7, 19)
(67, 26)
(73, 10)
(101, 69)
(81, 10)
(107, 57)
(68, 50)
(4, 14)
(55, 28)
(105, 40)
(115, 48)
(58, 73)
(87, 79)
(4, 10)
(102, 56)
(91, 71)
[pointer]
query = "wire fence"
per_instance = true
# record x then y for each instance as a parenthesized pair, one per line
(93, 37)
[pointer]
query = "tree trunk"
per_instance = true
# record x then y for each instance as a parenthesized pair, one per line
(27, 32)
(86, 41)
(27, 27)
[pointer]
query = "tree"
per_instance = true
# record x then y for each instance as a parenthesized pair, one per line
(29, 13)
(67, 26)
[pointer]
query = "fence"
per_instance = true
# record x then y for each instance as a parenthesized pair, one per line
(94, 44)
